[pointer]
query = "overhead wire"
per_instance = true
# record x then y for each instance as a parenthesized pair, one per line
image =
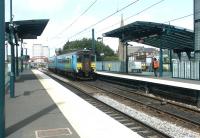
(92, 4)
(175, 19)
(179, 18)
(149, 7)
(182, 17)
(129, 17)
(104, 18)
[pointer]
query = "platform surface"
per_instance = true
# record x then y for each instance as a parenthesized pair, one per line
(87, 120)
(43, 104)
(32, 109)
(183, 83)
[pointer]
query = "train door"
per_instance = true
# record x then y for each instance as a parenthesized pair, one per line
(86, 63)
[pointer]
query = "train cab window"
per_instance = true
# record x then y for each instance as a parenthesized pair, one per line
(86, 56)
(78, 58)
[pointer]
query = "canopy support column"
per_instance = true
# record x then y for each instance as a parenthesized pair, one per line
(22, 68)
(12, 73)
(170, 60)
(16, 58)
(127, 58)
(2, 68)
(161, 63)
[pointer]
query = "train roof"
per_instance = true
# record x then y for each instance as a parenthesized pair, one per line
(73, 52)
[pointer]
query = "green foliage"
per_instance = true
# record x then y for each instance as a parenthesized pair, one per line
(87, 43)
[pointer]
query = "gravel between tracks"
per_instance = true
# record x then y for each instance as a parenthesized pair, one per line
(166, 127)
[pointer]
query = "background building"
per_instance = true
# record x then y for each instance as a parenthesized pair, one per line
(40, 55)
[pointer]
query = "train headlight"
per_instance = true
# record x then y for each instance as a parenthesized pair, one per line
(79, 66)
(93, 66)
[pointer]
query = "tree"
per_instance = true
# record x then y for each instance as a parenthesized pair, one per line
(87, 43)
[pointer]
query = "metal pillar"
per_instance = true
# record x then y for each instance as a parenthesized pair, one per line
(16, 58)
(2, 68)
(7, 52)
(170, 60)
(161, 63)
(12, 73)
(126, 58)
(22, 68)
(26, 58)
(17, 62)
(93, 41)
(123, 70)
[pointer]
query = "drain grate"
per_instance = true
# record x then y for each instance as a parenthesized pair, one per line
(52, 132)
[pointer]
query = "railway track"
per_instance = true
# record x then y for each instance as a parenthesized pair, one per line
(182, 113)
(130, 122)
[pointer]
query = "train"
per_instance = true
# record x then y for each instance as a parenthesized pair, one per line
(80, 64)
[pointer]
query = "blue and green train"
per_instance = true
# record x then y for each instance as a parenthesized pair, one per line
(79, 64)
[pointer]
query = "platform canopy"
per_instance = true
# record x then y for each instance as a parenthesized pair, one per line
(156, 35)
(28, 29)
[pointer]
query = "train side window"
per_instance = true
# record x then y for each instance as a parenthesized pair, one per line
(59, 60)
(64, 61)
(68, 61)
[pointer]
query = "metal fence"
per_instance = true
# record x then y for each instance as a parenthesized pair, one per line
(115, 66)
(186, 69)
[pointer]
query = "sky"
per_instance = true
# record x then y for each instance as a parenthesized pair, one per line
(62, 13)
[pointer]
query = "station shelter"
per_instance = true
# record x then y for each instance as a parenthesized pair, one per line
(163, 36)
(16, 32)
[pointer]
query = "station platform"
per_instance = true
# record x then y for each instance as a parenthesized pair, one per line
(182, 83)
(44, 108)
